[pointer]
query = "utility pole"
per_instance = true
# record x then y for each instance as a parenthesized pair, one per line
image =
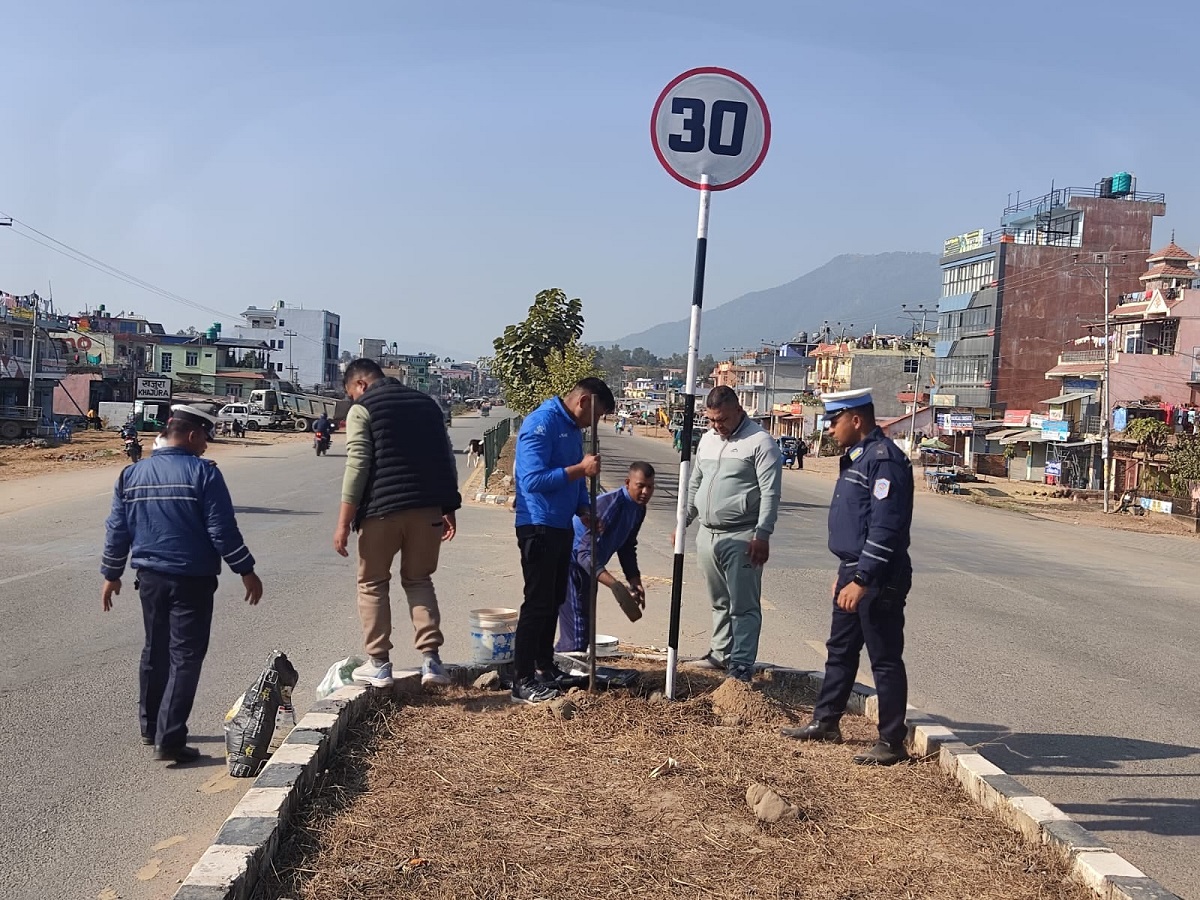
(1105, 262)
(291, 369)
(33, 353)
(912, 422)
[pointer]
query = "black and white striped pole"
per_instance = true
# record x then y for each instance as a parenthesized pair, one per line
(710, 130)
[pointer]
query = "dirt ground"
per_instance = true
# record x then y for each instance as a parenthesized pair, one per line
(99, 449)
(619, 795)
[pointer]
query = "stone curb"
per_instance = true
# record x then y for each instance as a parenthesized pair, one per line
(498, 499)
(246, 844)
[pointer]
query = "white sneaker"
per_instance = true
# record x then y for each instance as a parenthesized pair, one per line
(433, 673)
(374, 675)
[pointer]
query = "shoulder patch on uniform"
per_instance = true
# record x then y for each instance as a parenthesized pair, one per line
(882, 451)
(855, 454)
(882, 488)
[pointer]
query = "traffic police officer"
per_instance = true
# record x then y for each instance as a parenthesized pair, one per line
(869, 523)
(174, 514)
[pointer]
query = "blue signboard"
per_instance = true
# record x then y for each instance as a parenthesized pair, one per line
(1055, 431)
(1054, 467)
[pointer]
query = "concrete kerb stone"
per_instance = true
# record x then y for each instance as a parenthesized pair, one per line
(247, 842)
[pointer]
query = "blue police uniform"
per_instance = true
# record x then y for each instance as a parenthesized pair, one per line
(172, 519)
(869, 523)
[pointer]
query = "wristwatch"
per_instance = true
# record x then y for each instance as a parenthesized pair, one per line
(861, 580)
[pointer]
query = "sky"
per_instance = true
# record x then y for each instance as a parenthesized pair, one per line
(424, 169)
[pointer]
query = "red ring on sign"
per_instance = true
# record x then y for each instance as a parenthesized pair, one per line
(83, 343)
(729, 73)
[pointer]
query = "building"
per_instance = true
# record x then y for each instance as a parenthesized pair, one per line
(20, 355)
(1013, 298)
(303, 343)
(1155, 349)
(890, 366)
(227, 368)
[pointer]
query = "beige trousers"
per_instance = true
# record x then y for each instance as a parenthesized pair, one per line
(416, 534)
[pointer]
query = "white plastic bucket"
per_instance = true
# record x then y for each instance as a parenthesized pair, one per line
(492, 634)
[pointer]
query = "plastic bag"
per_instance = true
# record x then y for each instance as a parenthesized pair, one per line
(259, 721)
(340, 675)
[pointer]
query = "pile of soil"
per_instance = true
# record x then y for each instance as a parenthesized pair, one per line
(464, 795)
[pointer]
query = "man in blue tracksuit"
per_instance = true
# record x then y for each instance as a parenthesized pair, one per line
(870, 519)
(618, 516)
(174, 515)
(551, 475)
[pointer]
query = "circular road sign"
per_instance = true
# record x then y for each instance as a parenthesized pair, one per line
(712, 122)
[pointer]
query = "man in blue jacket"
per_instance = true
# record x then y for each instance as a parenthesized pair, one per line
(551, 475)
(618, 518)
(174, 515)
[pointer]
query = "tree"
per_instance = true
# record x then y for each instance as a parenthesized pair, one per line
(1183, 460)
(1150, 435)
(541, 356)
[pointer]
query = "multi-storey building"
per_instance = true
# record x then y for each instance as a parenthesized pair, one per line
(1013, 298)
(303, 343)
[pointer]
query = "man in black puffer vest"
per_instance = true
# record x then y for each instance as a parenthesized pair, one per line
(400, 493)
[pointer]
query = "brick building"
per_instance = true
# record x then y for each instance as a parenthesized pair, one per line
(1013, 299)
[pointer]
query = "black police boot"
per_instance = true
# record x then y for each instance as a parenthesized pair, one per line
(883, 754)
(825, 732)
(176, 754)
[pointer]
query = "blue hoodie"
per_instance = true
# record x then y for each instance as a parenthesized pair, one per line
(549, 441)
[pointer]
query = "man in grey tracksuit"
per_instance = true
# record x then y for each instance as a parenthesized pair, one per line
(734, 492)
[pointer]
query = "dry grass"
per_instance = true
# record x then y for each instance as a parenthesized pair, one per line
(467, 796)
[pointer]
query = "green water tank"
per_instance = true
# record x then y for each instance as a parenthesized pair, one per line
(1122, 184)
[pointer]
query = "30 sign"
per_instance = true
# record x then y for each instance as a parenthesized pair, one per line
(712, 122)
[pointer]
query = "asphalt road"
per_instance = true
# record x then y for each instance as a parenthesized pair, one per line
(86, 808)
(1068, 653)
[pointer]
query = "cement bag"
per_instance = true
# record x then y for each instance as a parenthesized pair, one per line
(340, 675)
(252, 727)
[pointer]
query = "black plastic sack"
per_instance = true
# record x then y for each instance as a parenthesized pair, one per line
(249, 730)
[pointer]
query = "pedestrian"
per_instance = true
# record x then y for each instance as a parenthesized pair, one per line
(801, 452)
(551, 489)
(173, 519)
(619, 516)
(93, 420)
(400, 493)
(734, 492)
(869, 523)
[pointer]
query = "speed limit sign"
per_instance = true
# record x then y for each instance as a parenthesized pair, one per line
(712, 122)
(710, 129)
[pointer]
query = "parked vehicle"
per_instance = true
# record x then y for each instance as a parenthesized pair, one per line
(250, 418)
(16, 421)
(301, 409)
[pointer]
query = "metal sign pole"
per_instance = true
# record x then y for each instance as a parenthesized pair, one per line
(685, 456)
(594, 443)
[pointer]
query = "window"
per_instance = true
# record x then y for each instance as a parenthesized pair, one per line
(278, 367)
(963, 370)
(18, 342)
(192, 359)
(164, 363)
(281, 323)
(912, 366)
(234, 389)
(333, 330)
(968, 277)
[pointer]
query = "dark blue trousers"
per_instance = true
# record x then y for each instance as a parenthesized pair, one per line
(878, 622)
(177, 613)
(574, 616)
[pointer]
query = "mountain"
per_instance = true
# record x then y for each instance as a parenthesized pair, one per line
(854, 289)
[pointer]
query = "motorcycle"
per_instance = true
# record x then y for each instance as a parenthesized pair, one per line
(133, 447)
(321, 443)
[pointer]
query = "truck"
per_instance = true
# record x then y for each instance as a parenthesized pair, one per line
(301, 409)
(249, 416)
(17, 421)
